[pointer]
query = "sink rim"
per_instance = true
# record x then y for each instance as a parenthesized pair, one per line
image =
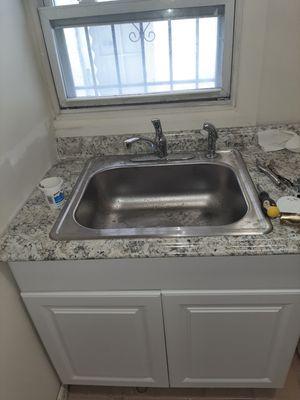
(254, 222)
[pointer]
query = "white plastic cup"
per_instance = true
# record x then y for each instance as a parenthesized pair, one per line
(53, 191)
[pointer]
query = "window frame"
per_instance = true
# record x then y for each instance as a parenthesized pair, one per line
(51, 16)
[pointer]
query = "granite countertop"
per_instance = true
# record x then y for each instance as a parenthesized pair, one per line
(27, 237)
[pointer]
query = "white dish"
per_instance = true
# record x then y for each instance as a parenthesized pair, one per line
(289, 204)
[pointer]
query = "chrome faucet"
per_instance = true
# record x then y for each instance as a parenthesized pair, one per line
(211, 140)
(158, 145)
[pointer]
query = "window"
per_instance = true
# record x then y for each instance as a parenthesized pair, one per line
(117, 52)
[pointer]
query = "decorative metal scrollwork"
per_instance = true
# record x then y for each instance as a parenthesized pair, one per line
(142, 33)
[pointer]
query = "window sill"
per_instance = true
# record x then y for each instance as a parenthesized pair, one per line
(137, 119)
(176, 106)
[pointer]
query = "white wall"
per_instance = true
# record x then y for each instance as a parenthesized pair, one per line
(267, 87)
(25, 141)
(25, 144)
(280, 79)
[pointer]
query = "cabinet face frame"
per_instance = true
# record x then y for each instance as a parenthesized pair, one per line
(169, 273)
(273, 315)
(64, 319)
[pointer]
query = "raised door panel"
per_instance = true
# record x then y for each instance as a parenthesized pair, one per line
(230, 339)
(113, 338)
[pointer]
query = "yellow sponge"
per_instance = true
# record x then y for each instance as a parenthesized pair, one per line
(273, 212)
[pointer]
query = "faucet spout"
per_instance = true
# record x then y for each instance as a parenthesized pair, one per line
(129, 142)
(158, 145)
(211, 140)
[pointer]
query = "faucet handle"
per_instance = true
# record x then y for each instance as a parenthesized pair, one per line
(157, 126)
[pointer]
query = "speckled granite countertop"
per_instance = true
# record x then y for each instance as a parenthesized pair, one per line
(27, 237)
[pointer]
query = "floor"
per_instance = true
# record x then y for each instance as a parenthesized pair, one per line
(291, 391)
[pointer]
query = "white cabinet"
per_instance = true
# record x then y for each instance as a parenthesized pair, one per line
(222, 321)
(106, 338)
(230, 338)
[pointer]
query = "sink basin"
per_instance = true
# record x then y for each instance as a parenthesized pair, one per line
(164, 195)
(115, 197)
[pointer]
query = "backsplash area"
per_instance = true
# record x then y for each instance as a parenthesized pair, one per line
(91, 146)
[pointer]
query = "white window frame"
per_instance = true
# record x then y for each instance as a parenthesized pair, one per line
(53, 15)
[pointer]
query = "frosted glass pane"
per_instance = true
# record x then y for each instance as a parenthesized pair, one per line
(79, 58)
(70, 2)
(129, 54)
(208, 39)
(159, 88)
(184, 49)
(207, 85)
(65, 2)
(103, 54)
(85, 92)
(157, 52)
(185, 86)
(141, 57)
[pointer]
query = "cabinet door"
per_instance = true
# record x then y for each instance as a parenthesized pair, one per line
(230, 338)
(111, 338)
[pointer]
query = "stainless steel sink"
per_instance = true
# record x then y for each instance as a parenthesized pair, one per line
(115, 197)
